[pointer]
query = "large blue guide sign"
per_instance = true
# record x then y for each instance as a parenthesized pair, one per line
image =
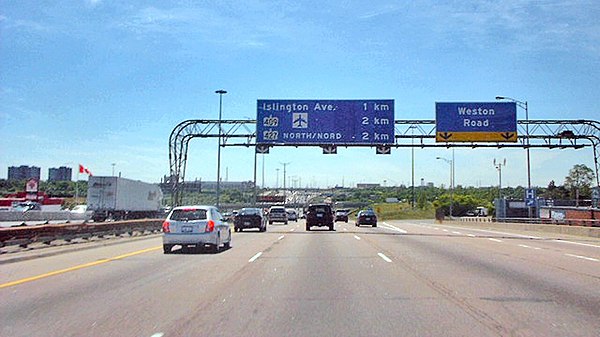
(476, 122)
(289, 122)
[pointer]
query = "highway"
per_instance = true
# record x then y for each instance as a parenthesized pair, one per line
(403, 278)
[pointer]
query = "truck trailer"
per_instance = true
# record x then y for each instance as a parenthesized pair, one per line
(118, 198)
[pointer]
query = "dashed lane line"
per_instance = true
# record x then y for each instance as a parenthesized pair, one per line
(357, 237)
(583, 257)
(385, 258)
(252, 259)
(495, 240)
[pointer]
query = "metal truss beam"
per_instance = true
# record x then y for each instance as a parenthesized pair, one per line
(551, 134)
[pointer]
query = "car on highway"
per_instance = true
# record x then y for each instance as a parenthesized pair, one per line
(195, 227)
(292, 215)
(319, 215)
(366, 217)
(277, 214)
(341, 215)
(250, 218)
(26, 206)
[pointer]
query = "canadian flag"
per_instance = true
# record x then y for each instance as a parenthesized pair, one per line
(83, 169)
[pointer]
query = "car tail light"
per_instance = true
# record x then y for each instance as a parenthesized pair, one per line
(210, 226)
(166, 227)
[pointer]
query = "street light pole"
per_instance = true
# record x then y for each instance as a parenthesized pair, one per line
(412, 148)
(451, 163)
(284, 190)
(221, 92)
(524, 106)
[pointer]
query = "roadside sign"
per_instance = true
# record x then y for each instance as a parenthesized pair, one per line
(596, 197)
(325, 122)
(476, 122)
(530, 197)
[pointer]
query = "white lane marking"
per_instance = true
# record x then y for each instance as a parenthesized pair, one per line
(281, 237)
(487, 231)
(456, 232)
(252, 259)
(158, 334)
(394, 228)
(437, 229)
(583, 257)
(445, 230)
(345, 228)
(385, 258)
(356, 237)
(495, 240)
(471, 235)
(293, 229)
(526, 246)
(577, 243)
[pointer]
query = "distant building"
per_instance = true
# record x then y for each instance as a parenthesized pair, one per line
(203, 186)
(365, 185)
(23, 172)
(60, 174)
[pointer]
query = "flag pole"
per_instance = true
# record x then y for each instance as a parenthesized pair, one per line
(77, 189)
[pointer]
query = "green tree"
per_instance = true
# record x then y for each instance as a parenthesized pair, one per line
(579, 181)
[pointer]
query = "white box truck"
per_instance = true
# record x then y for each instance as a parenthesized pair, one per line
(120, 199)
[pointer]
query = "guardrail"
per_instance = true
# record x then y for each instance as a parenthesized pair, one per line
(24, 236)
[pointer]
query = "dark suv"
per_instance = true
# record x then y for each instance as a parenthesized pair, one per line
(319, 215)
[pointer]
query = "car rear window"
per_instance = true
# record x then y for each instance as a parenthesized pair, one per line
(277, 210)
(188, 214)
(249, 211)
(319, 209)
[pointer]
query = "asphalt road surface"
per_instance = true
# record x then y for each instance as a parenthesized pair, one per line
(403, 278)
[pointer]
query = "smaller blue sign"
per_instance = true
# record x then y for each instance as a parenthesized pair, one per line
(476, 122)
(530, 197)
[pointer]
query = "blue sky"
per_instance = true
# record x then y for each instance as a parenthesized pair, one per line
(98, 82)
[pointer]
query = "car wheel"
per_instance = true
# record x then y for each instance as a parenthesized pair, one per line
(167, 249)
(217, 247)
(346, 221)
(285, 223)
(270, 222)
(331, 227)
(375, 225)
(307, 228)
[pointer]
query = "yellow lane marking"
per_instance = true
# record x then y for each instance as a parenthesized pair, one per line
(81, 266)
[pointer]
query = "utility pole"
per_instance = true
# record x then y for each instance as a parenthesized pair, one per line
(498, 166)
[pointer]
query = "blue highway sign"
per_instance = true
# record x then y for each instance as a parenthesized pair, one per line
(530, 197)
(476, 122)
(325, 122)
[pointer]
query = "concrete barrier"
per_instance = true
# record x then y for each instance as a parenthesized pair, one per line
(24, 236)
(11, 216)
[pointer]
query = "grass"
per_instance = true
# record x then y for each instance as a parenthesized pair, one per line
(402, 211)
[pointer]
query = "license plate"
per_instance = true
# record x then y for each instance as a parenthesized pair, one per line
(186, 229)
(367, 219)
(319, 215)
(246, 223)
